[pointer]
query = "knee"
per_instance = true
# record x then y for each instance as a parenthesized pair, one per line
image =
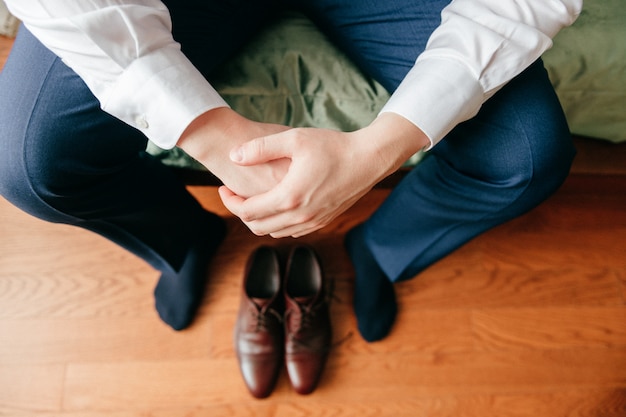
(530, 133)
(520, 168)
(541, 168)
(42, 113)
(541, 163)
(553, 161)
(35, 170)
(531, 155)
(550, 146)
(539, 126)
(18, 186)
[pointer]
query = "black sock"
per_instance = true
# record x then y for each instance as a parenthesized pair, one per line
(374, 296)
(178, 294)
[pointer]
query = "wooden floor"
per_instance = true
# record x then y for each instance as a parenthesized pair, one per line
(528, 320)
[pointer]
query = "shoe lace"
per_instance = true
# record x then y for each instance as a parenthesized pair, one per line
(303, 318)
(263, 318)
(305, 315)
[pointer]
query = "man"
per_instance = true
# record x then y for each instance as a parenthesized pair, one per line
(88, 83)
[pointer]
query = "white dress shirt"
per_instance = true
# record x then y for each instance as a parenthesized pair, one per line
(125, 53)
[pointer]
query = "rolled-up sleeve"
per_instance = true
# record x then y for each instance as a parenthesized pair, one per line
(125, 53)
(479, 46)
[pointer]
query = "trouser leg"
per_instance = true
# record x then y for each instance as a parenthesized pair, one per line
(511, 157)
(211, 31)
(64, 160)
(502, 163)
(383, 38)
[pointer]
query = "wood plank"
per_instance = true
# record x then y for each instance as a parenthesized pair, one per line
(50, 270)
(30, 388)
(136, 386)
(550, 328)
(609, 403)
(416, 329)
(499, 285)
(596, 156)
(547, 403)
(50, 341)
(43, 341)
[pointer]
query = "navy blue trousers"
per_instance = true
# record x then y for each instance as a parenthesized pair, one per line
(64, 160)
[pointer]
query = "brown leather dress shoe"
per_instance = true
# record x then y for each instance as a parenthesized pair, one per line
(259, 332)
(308, 332)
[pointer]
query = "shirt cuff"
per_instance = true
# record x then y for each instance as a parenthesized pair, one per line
(160, 94)
(437, 94)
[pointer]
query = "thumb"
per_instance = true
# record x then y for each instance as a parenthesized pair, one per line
(260, 150)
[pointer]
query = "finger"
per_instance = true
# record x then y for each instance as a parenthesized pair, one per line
(224, 191)
(313, 224)
(281, 224)
(280, 199)
(293, 224)
(236, 205)
(278, 226)
(295, 231)
(260, 150)
(230, 200)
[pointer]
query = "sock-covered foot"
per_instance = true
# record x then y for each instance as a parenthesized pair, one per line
(178, 294)
(374, 296)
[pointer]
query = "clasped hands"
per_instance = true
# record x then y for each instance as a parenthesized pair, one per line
(284, 181)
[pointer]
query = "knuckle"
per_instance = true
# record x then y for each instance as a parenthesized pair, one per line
(256, 230)
(258, 233)
(253, 148)
(291, 202)
(259, 145)
(246, 216)
(306, 218)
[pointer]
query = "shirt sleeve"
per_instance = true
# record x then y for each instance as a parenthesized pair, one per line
(479, 46)
(125, 53)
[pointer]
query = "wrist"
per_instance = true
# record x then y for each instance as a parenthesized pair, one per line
(394, 139)
(204, 137)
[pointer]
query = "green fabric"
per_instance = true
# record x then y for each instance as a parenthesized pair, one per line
(291, 74)
(587, 66)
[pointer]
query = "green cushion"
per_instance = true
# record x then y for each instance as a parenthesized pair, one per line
(587, 66)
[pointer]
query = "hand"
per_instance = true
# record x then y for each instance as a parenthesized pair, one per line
(210, 138)
(329, 172)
